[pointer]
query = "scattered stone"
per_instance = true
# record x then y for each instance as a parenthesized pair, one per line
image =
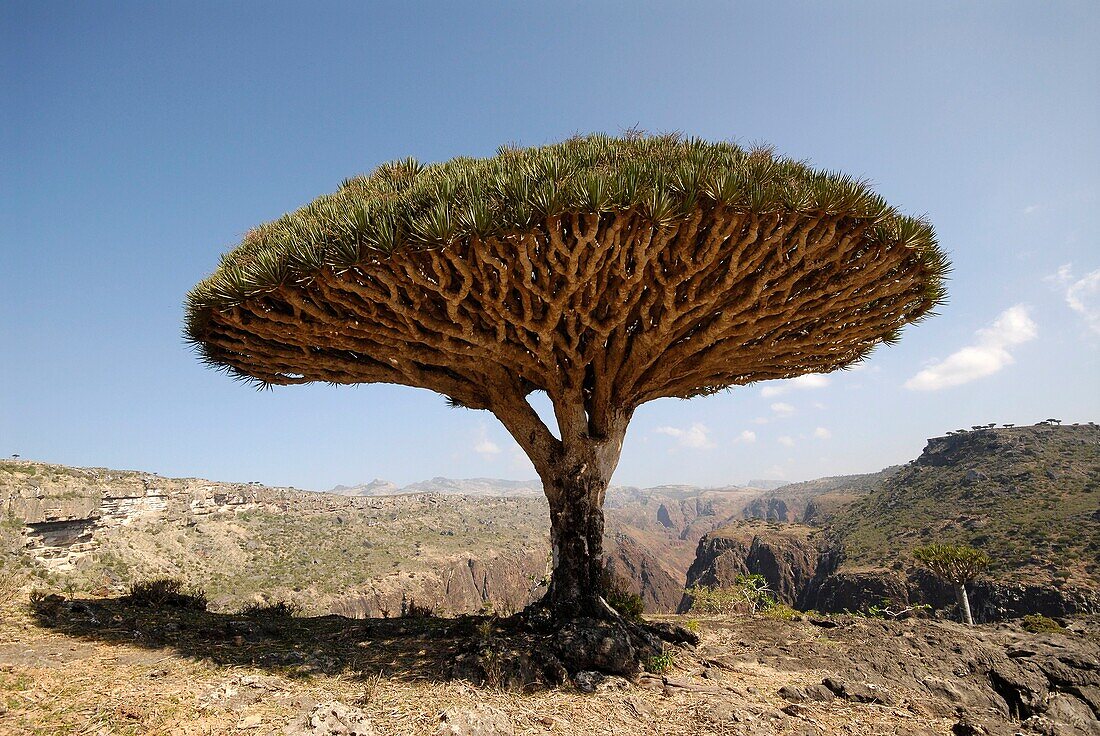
(252, 721)
(684, 683)
(803, 728)
(333, 718)
(819, 694)
(859, 692)
(589, 682)
(480, 720)
(792, 693)
(724, 712)
(814, 693)
(586, 682)
(794, 709)
(966, 728)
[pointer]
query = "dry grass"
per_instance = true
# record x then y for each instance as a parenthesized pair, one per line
(53, 683)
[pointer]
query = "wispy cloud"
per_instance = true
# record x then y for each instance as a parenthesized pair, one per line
(988, 355)
(486, 447)
(1031, 209)
(785, 441)
(808, 381)
(697, 436)
(1081, 294)
(822, 434)
(783, 409)
(747, 436)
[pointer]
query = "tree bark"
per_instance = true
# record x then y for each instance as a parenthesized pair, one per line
(964, 603)
(575, 471)
(575, 481)
(576, 535)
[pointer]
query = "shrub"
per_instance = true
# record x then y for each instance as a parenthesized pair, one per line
(781, 611)
(1037, 623)
(659, 663)
(626, 602)
(412, 609)
(279, 609)
(44, 603)
(713, 600)
(749, 593)
(12, 581)
(167, 592)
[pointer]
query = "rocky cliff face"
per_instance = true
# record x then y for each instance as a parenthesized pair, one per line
(1027, 495)
(787, 555)
(501, 584)
(66, 511)
(804, 569)
(652, 536)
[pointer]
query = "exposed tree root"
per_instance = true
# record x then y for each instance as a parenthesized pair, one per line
(536, 649)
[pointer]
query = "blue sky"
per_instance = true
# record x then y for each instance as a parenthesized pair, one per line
(139, 142)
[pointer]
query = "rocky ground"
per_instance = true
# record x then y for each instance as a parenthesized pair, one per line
(104, 666)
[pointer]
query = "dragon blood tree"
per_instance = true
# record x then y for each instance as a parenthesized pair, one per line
(957, 565)
(605, 272)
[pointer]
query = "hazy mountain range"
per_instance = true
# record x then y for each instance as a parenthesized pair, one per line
(500, 487)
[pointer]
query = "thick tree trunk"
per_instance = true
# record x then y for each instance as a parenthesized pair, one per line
(964, 603)
(576, 533)
(575, 471)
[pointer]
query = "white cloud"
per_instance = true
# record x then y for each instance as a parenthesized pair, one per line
(484, 446)
(697, 436)
(786, 441)
(1081, 294)
(487, 447)
(986, 356)
(822, 434)
(818, 405)
(748, 436)
(761, 420)
(782, 409)
(808, 381)
(1031, 209)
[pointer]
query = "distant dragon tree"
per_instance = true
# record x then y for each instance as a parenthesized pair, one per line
(604, 272)
(957, 565)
